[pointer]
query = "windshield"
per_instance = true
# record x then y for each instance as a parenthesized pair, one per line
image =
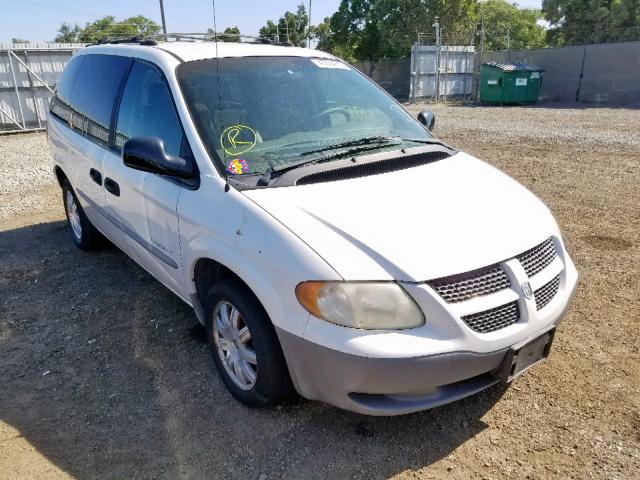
(271, 113)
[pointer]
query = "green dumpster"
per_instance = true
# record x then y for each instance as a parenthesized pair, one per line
(510, 83)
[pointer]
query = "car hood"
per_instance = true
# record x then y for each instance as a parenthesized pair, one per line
(416, 224)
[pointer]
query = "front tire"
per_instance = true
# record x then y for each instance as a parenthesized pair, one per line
(245, 346)
(83, 233)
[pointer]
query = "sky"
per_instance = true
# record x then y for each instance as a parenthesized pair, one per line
(38, 20)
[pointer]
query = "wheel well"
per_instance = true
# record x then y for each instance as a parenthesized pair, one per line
(207, 272)
(59, 175)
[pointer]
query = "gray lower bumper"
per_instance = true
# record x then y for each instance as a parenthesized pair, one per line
(385, 386)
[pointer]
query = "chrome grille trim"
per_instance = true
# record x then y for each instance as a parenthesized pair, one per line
(493, 319)
(545, 294)
(458, 288)
(538, 258)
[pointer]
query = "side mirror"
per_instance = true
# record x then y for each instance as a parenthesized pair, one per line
(427, 118)
(148, 154)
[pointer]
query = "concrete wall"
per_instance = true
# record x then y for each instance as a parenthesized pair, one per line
(598, 74)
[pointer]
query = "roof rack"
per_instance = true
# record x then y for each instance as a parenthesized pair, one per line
(152, 40)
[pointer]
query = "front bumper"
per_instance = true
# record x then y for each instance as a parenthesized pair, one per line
(386, 386)
(395, 386)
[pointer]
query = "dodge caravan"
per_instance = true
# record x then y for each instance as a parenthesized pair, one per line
(328, 242)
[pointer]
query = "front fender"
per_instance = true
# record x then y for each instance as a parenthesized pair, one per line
(240, 235)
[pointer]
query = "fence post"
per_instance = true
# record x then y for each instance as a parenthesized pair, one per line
(34, 96)
(412, 77)
(438, 40)
(584, 57)
(480, 59)
(15, 86)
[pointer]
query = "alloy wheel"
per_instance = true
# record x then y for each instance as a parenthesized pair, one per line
(234, 345)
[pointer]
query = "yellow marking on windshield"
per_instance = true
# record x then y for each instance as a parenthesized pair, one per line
(238, 139)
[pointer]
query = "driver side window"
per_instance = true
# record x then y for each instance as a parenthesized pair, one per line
(146, 110)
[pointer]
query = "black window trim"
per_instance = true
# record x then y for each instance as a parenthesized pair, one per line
(193, 184)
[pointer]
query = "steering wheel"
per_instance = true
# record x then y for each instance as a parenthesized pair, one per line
(332, 110)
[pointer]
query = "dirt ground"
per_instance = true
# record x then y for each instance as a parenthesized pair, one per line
(105, 374)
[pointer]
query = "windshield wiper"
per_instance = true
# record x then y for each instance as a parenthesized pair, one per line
(378, 140)
(426, 141)
(358, 145)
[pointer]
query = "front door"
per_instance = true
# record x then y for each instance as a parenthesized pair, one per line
(143, 205)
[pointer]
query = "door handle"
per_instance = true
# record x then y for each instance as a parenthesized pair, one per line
(96, 176)
(112, 187)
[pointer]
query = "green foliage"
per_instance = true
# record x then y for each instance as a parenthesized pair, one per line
(19, 40)
(68, 33)
(230, 34)
(107, 27)
(374, 29)
(501, 17)
(592, 21)
(291, 26)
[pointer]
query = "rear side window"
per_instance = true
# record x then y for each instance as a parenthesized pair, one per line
(60, 105)
(68, 79)
(146, 110)
(94, 94)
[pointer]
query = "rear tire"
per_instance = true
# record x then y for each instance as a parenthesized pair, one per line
(244, 345)
(83, 233)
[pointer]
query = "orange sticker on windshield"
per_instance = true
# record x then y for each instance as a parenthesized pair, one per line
(238, 139)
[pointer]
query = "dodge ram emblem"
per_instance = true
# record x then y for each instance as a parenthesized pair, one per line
(526, 290)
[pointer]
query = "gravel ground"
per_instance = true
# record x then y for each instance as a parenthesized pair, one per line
(26, 179)
(104, 373)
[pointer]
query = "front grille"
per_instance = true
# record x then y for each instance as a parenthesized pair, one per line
(458, 288)
(494, 319)
(538, 258)
(546, 293)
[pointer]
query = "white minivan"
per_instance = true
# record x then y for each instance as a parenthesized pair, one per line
(329, 243)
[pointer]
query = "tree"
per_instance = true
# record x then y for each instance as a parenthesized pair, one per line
(230, 34)
(592, 21)
(374, 29)
(19, 40)
(356, 30)
(327, 41)
(108, 27)
(68, 33)
(502, 18)
(291, 27)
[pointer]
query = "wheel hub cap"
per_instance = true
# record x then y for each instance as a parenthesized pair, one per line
(73, 213)
(234, 345)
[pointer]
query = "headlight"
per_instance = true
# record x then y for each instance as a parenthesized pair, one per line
(365, 305)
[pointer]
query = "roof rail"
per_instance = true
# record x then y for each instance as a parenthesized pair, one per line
(141, 40)
(152, 40)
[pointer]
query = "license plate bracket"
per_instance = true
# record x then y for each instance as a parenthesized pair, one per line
(521, 358)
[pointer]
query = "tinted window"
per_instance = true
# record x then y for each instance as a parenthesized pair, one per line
(146, 110)
(94, 94)
(60, 103)
(68, 78)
